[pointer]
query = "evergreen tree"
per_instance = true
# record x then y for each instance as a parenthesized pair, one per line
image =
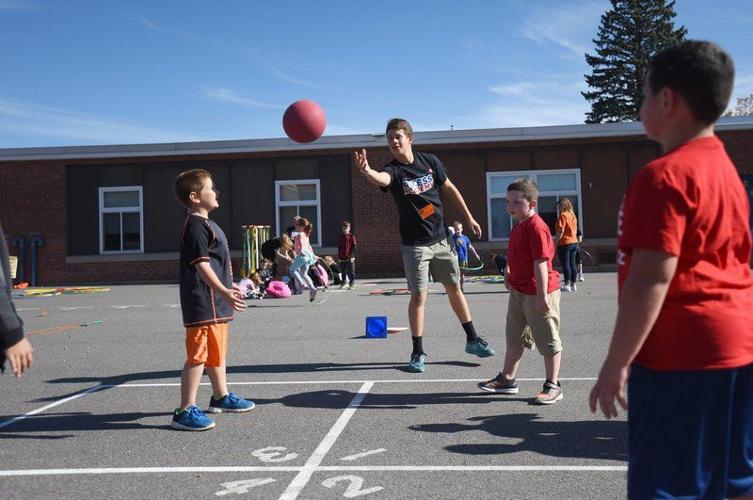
(629, 34)
(744, 107)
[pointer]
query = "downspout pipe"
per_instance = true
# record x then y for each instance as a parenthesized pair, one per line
(34, 242)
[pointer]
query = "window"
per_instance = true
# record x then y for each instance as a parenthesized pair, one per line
(299, 197)
(121, 220)
(553, 185)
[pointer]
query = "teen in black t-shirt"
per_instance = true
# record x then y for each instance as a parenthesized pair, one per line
(415, 181)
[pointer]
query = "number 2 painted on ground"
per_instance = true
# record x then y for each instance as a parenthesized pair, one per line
(354, 485)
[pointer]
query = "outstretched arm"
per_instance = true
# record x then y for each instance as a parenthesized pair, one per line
(450, 190)
(381, 179)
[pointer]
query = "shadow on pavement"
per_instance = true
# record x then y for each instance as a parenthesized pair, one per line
(339, 399)
(592, 439)
(79, 421)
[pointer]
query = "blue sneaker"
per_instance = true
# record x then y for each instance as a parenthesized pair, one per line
(230, 404)
(191, 419)
(479, 347)
(416, 364)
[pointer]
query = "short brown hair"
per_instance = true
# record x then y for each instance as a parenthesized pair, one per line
(526, 186)
(190, 181)
(399, 124)
(345, 223)
(701, 72)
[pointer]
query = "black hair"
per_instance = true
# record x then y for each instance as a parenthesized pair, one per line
(701, 72)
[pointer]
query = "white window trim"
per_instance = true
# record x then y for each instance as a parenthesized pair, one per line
(298, 203)
(533, 174)
(103, 210)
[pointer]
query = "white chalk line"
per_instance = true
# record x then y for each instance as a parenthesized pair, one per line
(10, 421)
(351, 458)
(378, 381)
(302, 478)
(320, 468)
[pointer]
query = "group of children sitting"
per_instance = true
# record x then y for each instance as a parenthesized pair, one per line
(290, 265)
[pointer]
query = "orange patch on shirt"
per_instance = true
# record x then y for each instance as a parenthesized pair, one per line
(427, 211)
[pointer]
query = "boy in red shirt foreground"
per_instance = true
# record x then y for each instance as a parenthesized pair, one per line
(683, 340)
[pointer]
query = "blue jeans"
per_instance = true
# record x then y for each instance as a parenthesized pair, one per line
(566, 254)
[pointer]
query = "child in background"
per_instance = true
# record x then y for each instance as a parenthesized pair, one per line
(304, 257)
(284, 256)
(533, 309)
(208, 298)
(683, 339)
(346, 247)
(567, 243)
(334, 269)
(462, 244)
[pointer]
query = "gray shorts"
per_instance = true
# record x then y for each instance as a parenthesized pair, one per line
(439, 257)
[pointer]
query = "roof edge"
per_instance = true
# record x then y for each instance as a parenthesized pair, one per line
(554, 132)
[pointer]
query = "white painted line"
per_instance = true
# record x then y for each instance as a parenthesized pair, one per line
(75, 308)
(335, 468)
(142, 470)
(383, 381)
(126, 307)
(302, 478)
(27, 308)
(8, 422)
(471, 468)
(364, 454)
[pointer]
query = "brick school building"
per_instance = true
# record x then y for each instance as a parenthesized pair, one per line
(106, 214)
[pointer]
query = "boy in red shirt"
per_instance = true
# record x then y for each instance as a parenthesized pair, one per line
(683, 340)
(534, 307)
(346, 248)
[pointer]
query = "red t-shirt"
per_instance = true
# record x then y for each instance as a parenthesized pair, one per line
(691, 203)
(530, 240)
(345, 245)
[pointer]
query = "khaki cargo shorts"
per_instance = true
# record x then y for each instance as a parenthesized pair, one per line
(526, 325)
(439, 257)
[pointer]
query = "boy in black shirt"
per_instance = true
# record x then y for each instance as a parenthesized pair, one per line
(415, 180)
(208, 297)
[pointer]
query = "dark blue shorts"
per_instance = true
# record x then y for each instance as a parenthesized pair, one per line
(690, 433)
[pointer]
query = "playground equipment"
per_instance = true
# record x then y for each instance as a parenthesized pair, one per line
(253, 238)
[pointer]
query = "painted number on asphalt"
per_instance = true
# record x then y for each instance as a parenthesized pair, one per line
(271, 454)
(354, 486)
(241, 487)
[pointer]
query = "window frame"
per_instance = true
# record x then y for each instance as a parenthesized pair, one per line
(121, 210)
(299, 203)
(533, 174)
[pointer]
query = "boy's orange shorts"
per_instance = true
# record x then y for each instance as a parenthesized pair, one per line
(207, 344)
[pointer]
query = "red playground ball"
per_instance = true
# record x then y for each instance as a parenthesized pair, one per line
(304, 121)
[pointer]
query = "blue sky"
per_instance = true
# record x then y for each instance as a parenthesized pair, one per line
(76, 72)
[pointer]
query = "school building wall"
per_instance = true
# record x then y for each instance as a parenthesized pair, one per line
(57, 198)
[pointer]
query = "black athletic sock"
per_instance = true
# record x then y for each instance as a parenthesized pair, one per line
(418, 345)
(470, 332)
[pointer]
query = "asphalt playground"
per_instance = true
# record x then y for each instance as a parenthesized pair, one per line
(337, 414)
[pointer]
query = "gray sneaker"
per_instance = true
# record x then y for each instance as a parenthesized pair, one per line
(479, 347)
(550, 394)
(500, 385)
